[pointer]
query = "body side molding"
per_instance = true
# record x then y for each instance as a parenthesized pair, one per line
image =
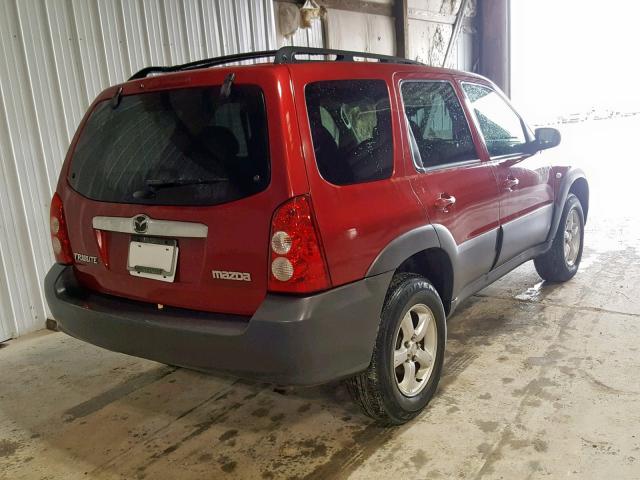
(469, 260)
(497, 273)
(525, 232)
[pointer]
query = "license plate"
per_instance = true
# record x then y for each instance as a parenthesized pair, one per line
(154, 258)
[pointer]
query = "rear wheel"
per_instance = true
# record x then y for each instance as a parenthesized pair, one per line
(562, 260)
(408, 355)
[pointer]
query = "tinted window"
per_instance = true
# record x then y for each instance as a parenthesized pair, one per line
(175, 147)
(439, 131)
(500, 126)
(350, 124)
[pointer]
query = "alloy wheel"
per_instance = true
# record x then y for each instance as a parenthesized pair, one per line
(572, 237)
(415, 348)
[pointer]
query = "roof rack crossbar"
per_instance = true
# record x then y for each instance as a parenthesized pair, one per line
(282, 56)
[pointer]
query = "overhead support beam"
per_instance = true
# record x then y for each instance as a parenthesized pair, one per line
(359, 6)
(400, 13)
(428, 16)
(457, 26)
(495, 41)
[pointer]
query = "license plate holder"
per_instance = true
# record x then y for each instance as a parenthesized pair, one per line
(154, 258)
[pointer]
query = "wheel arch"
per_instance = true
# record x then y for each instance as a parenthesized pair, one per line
(573, 181)
(435, 265)
(420, 251)
(580, 188)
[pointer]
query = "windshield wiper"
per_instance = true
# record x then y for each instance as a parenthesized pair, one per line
(156, 184)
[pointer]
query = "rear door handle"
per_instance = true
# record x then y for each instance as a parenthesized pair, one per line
(444, 201)
(510, 183)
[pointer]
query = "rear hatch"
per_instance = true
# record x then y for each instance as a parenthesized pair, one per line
(172, 189)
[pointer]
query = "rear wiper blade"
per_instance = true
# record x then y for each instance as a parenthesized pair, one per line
(117, 97)
(153, 185)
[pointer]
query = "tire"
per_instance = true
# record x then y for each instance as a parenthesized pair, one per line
(378, 390)
(556, 265)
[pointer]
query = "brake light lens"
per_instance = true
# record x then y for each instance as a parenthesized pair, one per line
(297, 264)
(59, 234)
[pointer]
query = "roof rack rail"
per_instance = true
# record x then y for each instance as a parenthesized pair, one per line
(207, 62)
(281, 56)
(289, 54)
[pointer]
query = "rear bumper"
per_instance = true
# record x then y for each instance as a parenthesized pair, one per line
(289, 340)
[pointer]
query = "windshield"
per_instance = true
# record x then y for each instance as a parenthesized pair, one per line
(187, 146)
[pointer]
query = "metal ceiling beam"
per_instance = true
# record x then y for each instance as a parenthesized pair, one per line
(428, 16)
(359, 6)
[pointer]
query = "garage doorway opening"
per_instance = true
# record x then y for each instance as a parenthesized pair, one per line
(573, 68)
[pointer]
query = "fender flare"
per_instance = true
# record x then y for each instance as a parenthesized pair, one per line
(403, 247)
(417, 240)
(569, 177)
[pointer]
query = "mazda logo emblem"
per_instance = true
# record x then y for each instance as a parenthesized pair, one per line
(140, 223)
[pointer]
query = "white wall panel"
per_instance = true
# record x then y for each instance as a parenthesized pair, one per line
(360, 32)
(55, 57)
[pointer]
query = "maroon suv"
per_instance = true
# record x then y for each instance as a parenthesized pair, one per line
(301, 221)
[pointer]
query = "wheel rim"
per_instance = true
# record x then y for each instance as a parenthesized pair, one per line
(572, 238)
(415, 350)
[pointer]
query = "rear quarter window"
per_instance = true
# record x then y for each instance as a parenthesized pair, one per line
(350, 123)
(175, 147)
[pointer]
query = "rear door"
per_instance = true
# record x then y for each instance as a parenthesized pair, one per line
(526, 191)
(172, 188)
(456, 187)
(361, 198)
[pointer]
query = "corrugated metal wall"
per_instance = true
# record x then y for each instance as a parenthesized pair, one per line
(55, 56)
(305, 37)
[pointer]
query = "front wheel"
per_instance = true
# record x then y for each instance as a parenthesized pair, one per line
(408, 355)
(562, 260)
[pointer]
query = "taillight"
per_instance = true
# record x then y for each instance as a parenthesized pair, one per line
(59, 234)
(297, 264)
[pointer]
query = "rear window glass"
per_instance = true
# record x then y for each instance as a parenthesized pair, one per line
(350, 124)
(175, 147)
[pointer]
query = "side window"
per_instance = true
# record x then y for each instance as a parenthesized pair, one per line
(350, 124)
(500, 125)
(439, 132)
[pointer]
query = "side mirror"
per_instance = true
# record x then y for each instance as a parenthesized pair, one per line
(546, 138)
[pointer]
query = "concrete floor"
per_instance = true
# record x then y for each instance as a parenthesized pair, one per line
(539, 381)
